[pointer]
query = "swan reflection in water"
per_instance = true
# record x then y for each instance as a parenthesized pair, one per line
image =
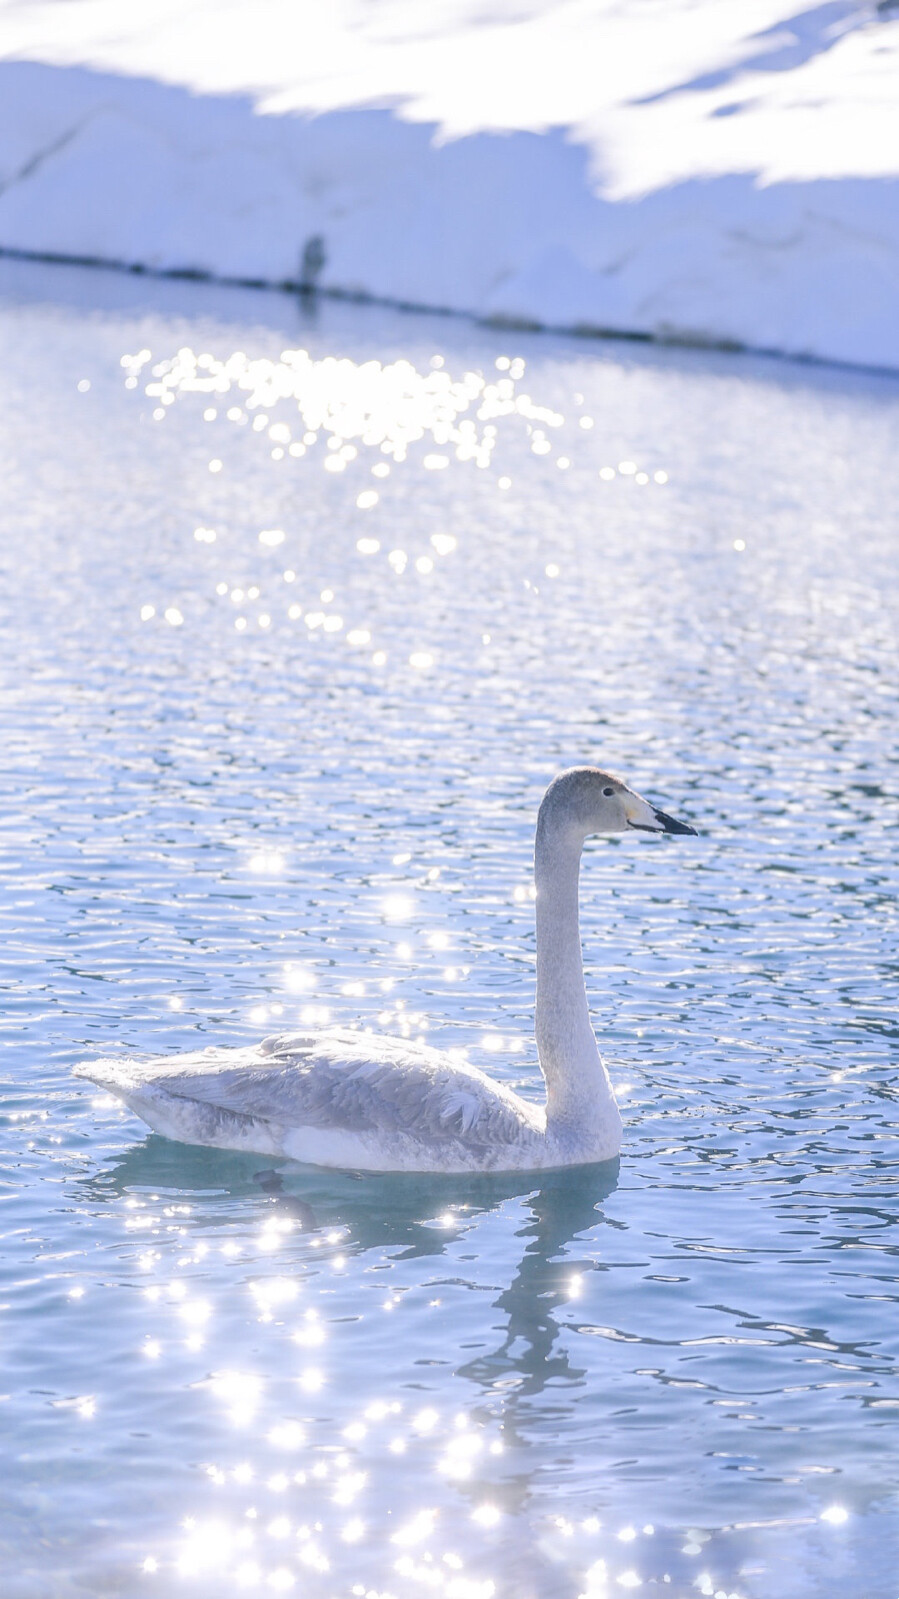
(393, 1210)
(528, 1273)
(397, 1212)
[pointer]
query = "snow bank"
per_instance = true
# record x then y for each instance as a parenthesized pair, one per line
(675, 168)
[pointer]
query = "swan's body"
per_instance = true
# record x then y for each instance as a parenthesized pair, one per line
(373, 1103)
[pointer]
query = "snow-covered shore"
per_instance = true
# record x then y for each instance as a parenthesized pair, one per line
(676, 168)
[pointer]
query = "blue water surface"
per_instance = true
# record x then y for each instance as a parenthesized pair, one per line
(274, 733)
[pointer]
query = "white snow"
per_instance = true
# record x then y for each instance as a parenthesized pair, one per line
(689, 169)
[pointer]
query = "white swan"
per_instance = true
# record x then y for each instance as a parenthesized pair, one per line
(370, 1103)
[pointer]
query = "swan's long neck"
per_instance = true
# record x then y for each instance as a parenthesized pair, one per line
(580, 1103)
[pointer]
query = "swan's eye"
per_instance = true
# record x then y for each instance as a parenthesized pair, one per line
(608, 792)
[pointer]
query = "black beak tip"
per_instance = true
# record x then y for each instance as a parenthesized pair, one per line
(670, 824)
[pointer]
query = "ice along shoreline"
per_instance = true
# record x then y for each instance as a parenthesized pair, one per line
(500, 323)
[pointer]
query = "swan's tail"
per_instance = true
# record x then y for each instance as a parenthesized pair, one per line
(189, 1120)
(117, 1076)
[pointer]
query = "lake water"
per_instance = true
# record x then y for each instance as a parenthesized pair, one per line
(251, 780)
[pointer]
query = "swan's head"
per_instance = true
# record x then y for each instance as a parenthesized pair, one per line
(587, 800)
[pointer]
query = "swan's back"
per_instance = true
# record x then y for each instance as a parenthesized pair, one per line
(335, 1098)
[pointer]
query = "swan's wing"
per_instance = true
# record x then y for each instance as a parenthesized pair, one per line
(343, 1081)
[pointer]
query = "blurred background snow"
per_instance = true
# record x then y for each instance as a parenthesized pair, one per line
(681, 169)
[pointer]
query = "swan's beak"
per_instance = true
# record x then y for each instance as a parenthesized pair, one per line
(645, 818)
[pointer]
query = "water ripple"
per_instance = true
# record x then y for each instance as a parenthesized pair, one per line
(298, 625)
